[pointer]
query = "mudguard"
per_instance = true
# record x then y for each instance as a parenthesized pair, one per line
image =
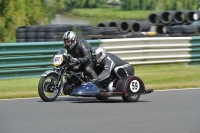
(48, 72)
(130, 85)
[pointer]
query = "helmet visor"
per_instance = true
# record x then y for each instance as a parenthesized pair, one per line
(98, 56)
(67, 43)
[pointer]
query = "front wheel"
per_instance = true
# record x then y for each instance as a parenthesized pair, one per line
(48, 89)
(131, 98)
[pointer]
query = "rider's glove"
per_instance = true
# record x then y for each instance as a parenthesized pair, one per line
(80, 60)
(73, 59)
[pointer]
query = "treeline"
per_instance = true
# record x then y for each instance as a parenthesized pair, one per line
(159, 4)
(136, 4)
(14, 13)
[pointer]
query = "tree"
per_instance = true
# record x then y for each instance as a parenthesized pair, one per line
(159, 4)
(89, 3)
(15, 13)
(127, 5)
(177, 5)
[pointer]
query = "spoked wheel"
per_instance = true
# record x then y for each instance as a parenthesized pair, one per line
(48, 89)
(131, 98)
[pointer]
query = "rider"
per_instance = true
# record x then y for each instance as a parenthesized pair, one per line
(79, 49)
(111, 64)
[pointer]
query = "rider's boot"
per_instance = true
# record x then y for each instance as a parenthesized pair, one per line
(90, 71)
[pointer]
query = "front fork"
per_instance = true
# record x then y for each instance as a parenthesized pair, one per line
(59, 75)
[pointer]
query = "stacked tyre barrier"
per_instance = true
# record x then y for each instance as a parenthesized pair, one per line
(49, 33)
(126, 26)
(43, 33)
(175, 22)
(167, 23)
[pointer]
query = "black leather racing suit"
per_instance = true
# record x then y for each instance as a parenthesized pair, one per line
(82, 51)
(114, 66)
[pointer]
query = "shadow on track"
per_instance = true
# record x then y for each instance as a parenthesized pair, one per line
(92, 100)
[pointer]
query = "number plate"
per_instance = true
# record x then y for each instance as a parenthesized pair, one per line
(58, 60)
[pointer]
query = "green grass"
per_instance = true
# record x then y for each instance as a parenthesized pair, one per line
(22, 87)
(97, 15)
(169, 76)
(158, 77)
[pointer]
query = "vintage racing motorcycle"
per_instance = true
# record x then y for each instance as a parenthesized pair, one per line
(69, 78)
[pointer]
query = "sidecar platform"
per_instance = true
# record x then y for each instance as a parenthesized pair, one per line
(91, 90)
(111, 94)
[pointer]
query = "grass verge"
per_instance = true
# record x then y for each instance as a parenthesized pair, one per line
(97, 15)
(158, 77)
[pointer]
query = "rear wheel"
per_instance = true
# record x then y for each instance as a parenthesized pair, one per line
(48, 89)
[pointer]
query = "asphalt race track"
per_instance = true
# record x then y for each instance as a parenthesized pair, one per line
(175, 111)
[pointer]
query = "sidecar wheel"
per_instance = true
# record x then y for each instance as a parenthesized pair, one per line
(102, 97)
(131, 88)
(47, 90)
(131, 98)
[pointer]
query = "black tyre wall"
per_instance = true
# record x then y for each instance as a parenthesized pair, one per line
(161, 29)
(136, 27)
(21, 29)
(166, 17)
(123, 26)
(190, 16)
(103, 24)
(110, 31)
(21, 40)
(197, 13)
(146, 26)
(180, 16)
(112, 24)
(189, 29)
(175, 29)
(20, 34)
(41, 28)
(169, 25)
(31, 28)
(40, 35)
(31, 35)
(154, 18)
(95, 31)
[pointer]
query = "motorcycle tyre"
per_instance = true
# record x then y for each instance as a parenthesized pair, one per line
(131, 98)
(41, 92)
(102, 97)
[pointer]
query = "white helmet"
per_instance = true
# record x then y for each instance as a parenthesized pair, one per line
(99, 54)
(69, 39)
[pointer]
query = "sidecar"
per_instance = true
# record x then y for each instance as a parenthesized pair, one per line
(129, 88)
